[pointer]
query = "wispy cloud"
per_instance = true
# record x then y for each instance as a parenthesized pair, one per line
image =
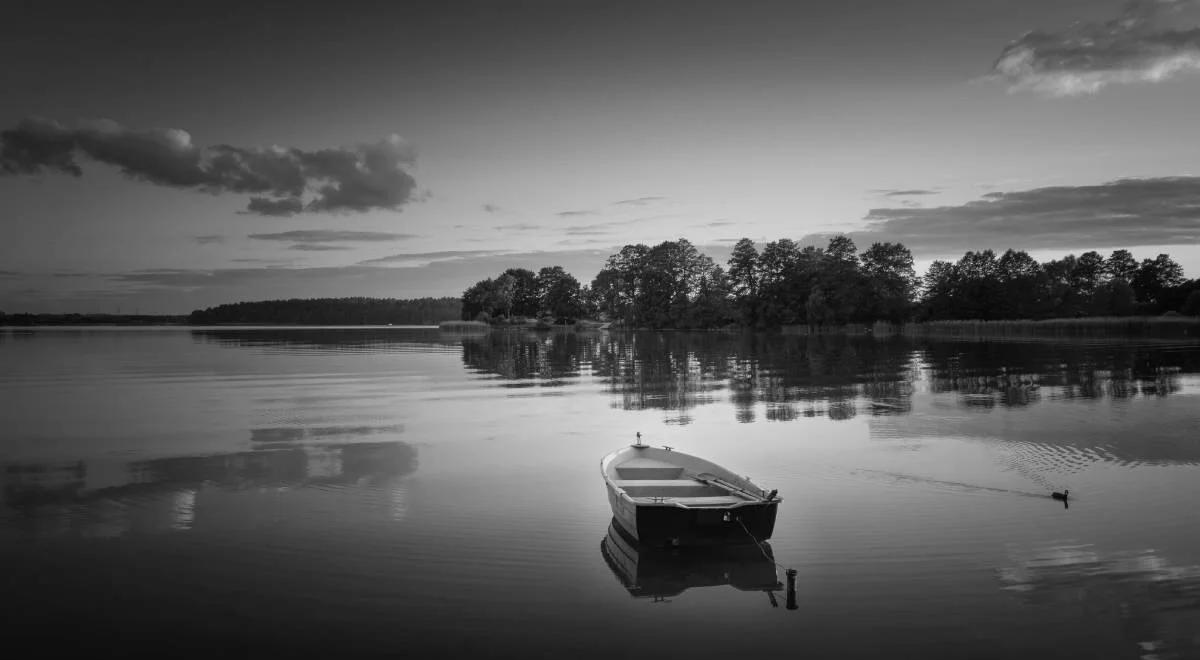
(572, 214)
(211, 239)
(420, 258)
(639, 201)
(491, 208)
(518, 227)
(317, 247)
(904, 193)
(331, 236)
(1116, 214)
(1085, 57)
(359, 178)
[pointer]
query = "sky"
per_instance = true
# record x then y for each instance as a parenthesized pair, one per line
(165, 157)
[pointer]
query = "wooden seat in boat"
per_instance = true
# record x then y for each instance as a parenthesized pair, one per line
(648, 468)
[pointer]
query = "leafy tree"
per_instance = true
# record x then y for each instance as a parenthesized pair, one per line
(1191, 306)
(1087, 273)
(618, 285)
(559, 292)
(1020, 278)
(890, 281)
(1121, 265)
(1115, 298)
(1153, 278)
(744, 279)
(714, 301)
(526, 299)
(743, 269)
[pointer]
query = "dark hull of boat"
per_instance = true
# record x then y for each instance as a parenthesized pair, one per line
(674, 526)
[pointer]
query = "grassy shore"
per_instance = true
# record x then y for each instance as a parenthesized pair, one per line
(1168, 327)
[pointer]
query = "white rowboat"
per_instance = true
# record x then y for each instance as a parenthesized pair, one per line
(662, 497)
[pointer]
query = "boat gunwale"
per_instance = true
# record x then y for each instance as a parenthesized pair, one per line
(680, 502)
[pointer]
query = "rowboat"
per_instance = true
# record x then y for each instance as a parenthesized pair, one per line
(663, 497)
(661, 573)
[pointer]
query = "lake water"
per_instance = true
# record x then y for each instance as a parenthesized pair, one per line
(406, 491)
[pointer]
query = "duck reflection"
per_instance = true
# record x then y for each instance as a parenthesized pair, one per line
(660, 574)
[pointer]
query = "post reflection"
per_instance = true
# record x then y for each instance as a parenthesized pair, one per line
(660, 574)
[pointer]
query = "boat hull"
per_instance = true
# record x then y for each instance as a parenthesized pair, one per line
(666, 525)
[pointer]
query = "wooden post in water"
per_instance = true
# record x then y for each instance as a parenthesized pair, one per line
(791, 588)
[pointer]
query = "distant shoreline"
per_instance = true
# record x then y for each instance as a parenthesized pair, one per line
(1182, 327)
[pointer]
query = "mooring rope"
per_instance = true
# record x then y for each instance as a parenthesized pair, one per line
(758, 543)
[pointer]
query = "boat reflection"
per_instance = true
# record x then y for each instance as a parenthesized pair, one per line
(660, 574)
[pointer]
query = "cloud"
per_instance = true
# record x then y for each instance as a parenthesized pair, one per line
(360, 178)
(330, 236)
(904, 193)
(718, 223)
(1086, 57)
(571, 214)
(209, 240)
(317, 247)
(283, 208)
(422, 258)
(639, 201)
(491, 208)
(518, 227)
(1117, 214)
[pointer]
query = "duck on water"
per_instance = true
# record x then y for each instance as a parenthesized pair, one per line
(662, 497)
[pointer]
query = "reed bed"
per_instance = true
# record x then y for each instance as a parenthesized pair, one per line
(1166, 327)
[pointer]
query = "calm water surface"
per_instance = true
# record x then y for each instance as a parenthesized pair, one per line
(401, 490)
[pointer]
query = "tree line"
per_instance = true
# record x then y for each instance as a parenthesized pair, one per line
(674, 285)
(332, 311)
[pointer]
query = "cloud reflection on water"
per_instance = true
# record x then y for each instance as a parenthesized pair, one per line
(98, 499)
(1155, 604)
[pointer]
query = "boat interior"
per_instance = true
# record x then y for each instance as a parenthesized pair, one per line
(652, 480)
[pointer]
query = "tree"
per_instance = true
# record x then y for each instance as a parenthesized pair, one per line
(1121, 265)
(979, 284)
(1115, 298)
(939, 295)
(559, 293)
(1019, 275)
(841, 248)
(501, 295)
(713, 307)
(617, 286)
(671, 280)
(1088, 273)
(525, 297)
(743, 269)
(1154, 277)
(1191, 306)
(890, 281)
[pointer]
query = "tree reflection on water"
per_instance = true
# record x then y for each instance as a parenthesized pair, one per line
(787, 377)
